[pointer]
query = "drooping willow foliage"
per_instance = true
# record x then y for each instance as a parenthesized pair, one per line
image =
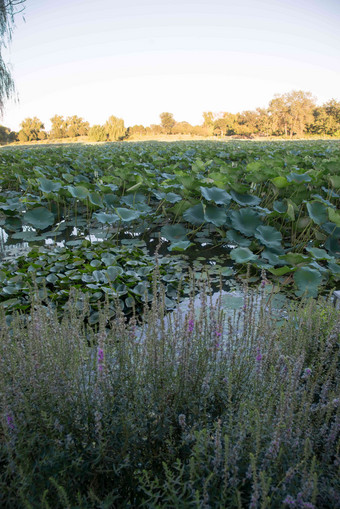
(8, 10)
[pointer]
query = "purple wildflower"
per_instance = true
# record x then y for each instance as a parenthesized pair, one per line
(289, 501)
(100, 359)
(263, 283)
(259, 355)
(307, 372)
(191, 325)
(10, 422)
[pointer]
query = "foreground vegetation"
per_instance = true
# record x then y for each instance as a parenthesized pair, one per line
(187, 410)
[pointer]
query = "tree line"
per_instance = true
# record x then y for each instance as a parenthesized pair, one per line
(291, 114)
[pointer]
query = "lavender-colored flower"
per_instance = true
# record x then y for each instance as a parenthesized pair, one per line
(259, 355)
(290, 501)
(100, 359)
(10, 421)
(307, 372)
(191, 325)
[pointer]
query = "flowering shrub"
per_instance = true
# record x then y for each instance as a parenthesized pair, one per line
(175, 411)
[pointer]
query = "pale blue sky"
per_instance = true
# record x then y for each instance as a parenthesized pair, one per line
(137, 58)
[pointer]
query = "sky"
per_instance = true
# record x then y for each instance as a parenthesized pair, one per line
(138, 58)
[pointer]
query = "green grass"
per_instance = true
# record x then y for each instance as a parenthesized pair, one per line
(177, 411)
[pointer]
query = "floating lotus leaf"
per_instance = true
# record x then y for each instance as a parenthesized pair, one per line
(245, 221)
(215, 194)
(280, 207)
(308, 281)
(298, 178)
(319, 254)
(245, 199)
(268, 236)
(215, 215)
(174, 232)
(39, 218)
(195, 214)
(127, 215)
(334, 216)
(317, 212)
(280, 182)
(236, 238)
(79, 192)
(242, 255)
(48, 186)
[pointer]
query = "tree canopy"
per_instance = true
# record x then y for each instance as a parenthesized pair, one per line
(8, 9)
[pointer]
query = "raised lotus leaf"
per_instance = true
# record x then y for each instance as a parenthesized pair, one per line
(268, 236)
(317, 212)
(195, 214)
(242, 255)
(245, 199)
(236, 238)
(39, 218)
(307, 280)
(245, 221)
(215, 215)
(215, 194)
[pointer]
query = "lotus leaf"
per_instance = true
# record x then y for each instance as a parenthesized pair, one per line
(215, 194)
(195, 214)
(268, 236)
(334, 216)
(39, 218)
(242, 255)
(298, 178)
(48, 186)
(280, 182)
(215, 215)
(317, 212)
(174, 232)
(113, 272)
(245, 199)
(181, 245)
(245, 221)
(79, 192)
(127, 215)
(96, 199)
(308, 281)
(236, 238)
(280, 207)
(294, 258)
(319, 254)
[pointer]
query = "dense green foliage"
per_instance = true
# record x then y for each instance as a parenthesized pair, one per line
(187, 411)
(271, 205)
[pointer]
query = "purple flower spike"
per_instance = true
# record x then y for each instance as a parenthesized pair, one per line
(191, 325)
(259, 355)
(10, 422)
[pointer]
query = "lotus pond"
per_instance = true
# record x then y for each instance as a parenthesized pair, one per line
(99, 218)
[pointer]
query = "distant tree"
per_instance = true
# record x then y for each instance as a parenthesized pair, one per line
(225, 125)
(76, 126)
(114, 128)
(8, 9)
(30, 129)
(182, 128)
(136, 129)
(97, 133)
(292, 112)
(167, 121)
(58, 127)
(6, 135)
(154, 129)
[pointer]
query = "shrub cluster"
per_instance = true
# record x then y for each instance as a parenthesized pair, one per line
(187, 410)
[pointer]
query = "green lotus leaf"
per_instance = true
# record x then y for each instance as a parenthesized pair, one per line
(110, 199)
(181, 245)
(298, 178)
(280, 207)
(79, 192)
(195, 214)
(215, 194)
(317, 212)
(294, 258)
(308, 281)
(319, 254)
(272, 257)
(335, 181)
(13, 224)
(39, 218)
(334, 268)
(127, 215)
(332, 245)
(174, 232)
(105, 218)
(268, 236)
(334, 216)
(48, 186)
(245, 221)
(281, 271)
(113, 272)
(280, 182)
(242, 255)
(245, 199)
(172, 197)
(215, 215)
(133, 199)
(96, 199)
(236, 238)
